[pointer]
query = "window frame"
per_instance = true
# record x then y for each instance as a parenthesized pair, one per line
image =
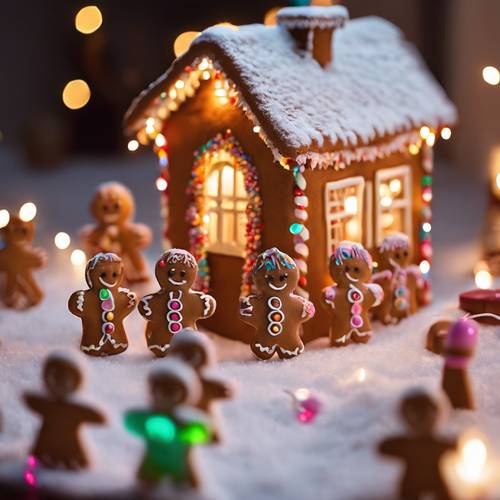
(406, 203)
(236, 248)
(360, 183)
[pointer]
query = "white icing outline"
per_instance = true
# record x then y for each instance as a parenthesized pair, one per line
(170, 311)
(274, 309)
(145, 302)
(161, 348)
(106, 284)
(177, 283)
(80, 300)
(277, 288)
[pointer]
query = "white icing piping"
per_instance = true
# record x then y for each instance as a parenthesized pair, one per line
(80, 300)
(145, 302)
(161, 348)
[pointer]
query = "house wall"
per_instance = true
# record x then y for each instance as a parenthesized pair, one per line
(199, 119)
(318, 275)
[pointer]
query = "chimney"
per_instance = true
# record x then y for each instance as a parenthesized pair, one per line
(312, 28)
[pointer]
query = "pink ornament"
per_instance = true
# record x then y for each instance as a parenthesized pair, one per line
(305, 405)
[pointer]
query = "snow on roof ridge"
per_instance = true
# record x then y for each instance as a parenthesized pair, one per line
(314, 11)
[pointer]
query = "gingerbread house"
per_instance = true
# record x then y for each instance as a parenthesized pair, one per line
(298, 135)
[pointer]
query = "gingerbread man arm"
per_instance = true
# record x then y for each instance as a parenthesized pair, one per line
(90, 415)
(147, 306)
(374, 295)
(35, 402)
(127, 301)
(328, 297)
(247, 310)
(140, 234)
(217, 388)
(34, 258)
(90, 238)
(76, 303)
(395, 446)
(208, 304)
(303, 309)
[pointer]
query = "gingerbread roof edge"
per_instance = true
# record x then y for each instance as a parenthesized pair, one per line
(376, 87)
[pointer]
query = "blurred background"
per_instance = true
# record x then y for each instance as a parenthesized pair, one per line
(69, 71)
(41, 50)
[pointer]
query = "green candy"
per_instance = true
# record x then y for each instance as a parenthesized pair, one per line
(104, 294)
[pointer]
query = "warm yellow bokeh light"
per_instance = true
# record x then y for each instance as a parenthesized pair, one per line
(183, 41)
(446, 133)
(270, 17)
(424, 132)
(76, 94)
(483, 279)
(27, 212)
(161, 184)
(425, 266)
(133, 145)
(431, 139)
(473, 459)
(88, 19)
(395, 186)
(491, 75)
(4, 218)
(62, 240)
(78, 257)
(361, 375)
(351, 205)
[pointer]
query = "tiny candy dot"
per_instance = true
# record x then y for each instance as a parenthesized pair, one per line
(110, 316)
(104, 294)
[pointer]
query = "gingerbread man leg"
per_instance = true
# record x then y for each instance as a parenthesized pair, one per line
(262, 351)
(290, 352)
(30, 289)
(11, 293)
(361, 337)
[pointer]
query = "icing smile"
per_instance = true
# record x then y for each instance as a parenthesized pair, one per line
(105, 283)
(351, 278)
(177, 283)
(277, 288)
(394, 263)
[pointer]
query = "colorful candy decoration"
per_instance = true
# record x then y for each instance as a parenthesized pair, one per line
(425, 249)
(306, 405)
(197, 234)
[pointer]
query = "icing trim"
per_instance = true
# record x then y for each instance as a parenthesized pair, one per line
(80, 300)
(145, 302)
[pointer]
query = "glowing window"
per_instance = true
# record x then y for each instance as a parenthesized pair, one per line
(393, 195)
(226, 202)
(344, 211)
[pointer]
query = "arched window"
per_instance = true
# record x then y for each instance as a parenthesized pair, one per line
(226, 201)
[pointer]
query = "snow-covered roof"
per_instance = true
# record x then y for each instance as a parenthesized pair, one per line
(377, 85)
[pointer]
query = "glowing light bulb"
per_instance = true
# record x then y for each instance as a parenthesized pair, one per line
(446, 133)
(256, 129)
(183, 41)
(62, 240)
(473, 456)
(161, 184)
(78, 257)
(395, 186)
(431, 139)
(27, 212)
(206, 75)
(425, 266)
(352, 229)
(361, 375)
(387, 220)
(491, 75)
(413, 149)
(179, 84)
(160, 140)
(483, 279)
(497, 180)
(384, 190)
(203, 65)
(88, 19)
(172, 93)
(351, 205)
(386, 201)
(424, 132)
(76, 94)
(133, 145)
(4, 218)
(426, 227)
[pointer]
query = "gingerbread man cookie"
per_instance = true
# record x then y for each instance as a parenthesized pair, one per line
(421, 450)
(58, 443)
(276, 312)
(400, 281)
(197, 350)
(352, 296)
(103, 307)
(459, 347)
(113, 207)
(175, 306)
(18, 259)
(172, 426)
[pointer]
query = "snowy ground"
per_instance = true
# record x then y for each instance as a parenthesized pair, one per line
(266, 453)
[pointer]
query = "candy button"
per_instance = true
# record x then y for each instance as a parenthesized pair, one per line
(275, 303)
(356, 321)
(400, 292)
(174, 317)
(356, 296)
(356, 308)
(104, 294)
(276, 316)
(110, 316)
(175, 304)
(109, 327)
(107, 305)
(175, 327)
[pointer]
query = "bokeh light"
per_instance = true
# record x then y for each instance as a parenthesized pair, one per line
(4, 218)
(270, 17)
(27, 212)
(88, 19)
(133, 145)
(62, 240)
(76, 94)
(491, 75)
(183, 41)
(78, 257)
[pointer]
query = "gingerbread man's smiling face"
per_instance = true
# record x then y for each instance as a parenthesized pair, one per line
(112, 204)
(61, 377)
(350, 264)
(18, 231)
(176, 269)
(394, 252)
(275, 273)
(104, 270)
